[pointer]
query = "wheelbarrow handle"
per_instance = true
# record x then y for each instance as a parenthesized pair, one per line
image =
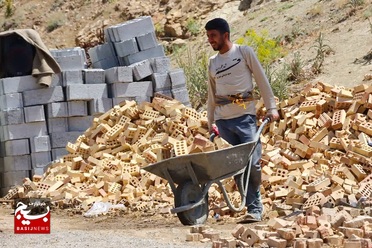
(259, 131)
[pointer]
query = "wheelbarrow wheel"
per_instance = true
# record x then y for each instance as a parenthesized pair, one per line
(188, 193)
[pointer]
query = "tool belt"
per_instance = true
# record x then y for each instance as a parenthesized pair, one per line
(237, 98)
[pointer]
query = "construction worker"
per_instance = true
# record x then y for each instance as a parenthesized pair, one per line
(230, 105)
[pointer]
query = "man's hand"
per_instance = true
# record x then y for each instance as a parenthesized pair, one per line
(272, 114)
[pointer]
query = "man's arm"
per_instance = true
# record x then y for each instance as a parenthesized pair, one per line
(211, 103)
(262, 82)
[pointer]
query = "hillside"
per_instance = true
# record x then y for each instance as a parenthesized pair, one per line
(345, 25)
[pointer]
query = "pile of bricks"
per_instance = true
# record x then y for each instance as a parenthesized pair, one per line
(37, 122)
(104, 164)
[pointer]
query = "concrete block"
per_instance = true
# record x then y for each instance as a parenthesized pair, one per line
(126, 47)
(57, 80)
(181, 94)
(72, 77)
(77, 108)
(11, 101)
(99, 106)
(160, 64)
(121, 74)
(177, 77)
(18, 84)
(132, 28)
(79, 124)
(40, 144)
(70, 58)
(43, 96)
(60, 140)
(157, 51)
(34, 113)
(16, 163)
(143, 88)
(14, 148)
(12, 116)
(86, 91)
(94, 76)
(14, 178)
(101, 52)
(23, 131)
(138, 99)
(37, 171)
(58, 153)
(106, 63)
(40, 159)
(141, 69)
(147, 41)
(161, 81)
(56, 125)
(57, 109)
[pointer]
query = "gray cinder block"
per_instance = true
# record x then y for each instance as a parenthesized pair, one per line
(11, 101)
(58, 153)
(120, 74)
(126, 47)
(164, 92)
(18, 84)
(14, 178)
(143, 88)
(43, 96)
(40, 143)
(57, 109)
(79, 124)
(101, 52)
(178, 78)
(99, 106)
(37, 171)
(17, 163)
(70, 58)
(106, 63)
(157, 51)
(57, 80)
(77, 108)
(14, 147)
(94, 76)
(133, 28)
(72, 77)
(161, 81)
(147, 41)
(141, 69)
(59, 140)
(56, 125)
(34, 113)
(181, 94)
(12, 116)
(137, 99)
(86, 91)
(160, 64)
(40, 159)
(23, 131)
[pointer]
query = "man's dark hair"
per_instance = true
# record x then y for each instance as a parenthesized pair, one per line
(218, 24)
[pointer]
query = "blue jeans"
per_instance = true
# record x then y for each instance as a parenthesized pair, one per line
(238, 131)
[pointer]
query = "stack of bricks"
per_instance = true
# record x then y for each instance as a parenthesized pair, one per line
(104, 163)
(312, 229)
(135, 63)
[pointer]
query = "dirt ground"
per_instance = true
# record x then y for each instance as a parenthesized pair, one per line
(115, 230)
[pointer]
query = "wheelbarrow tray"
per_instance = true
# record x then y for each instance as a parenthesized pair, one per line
(208, 166)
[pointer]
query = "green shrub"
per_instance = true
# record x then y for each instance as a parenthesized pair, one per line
(9, 10)
(193, 26)
(278, 80)
(55, 22)
(267, 49)
(195, 66)
(322, 50)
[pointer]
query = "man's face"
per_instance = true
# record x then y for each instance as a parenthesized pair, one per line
(216, 39)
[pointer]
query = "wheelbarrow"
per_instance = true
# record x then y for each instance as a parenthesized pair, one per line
(195, 173)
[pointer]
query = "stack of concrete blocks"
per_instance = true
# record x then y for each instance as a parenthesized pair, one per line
(85, 97)
(138, 52)
(24, 136)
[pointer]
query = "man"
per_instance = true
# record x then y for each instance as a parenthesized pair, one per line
(230, 103)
